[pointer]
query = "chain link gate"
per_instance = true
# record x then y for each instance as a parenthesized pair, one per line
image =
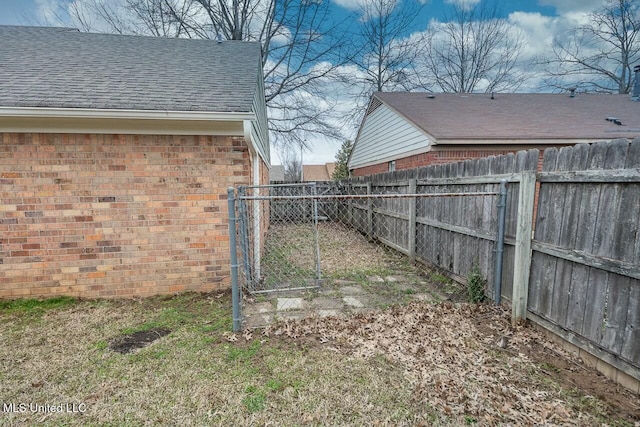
(268, 215)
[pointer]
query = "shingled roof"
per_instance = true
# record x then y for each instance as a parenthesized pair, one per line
(517, 116)
(65, 68)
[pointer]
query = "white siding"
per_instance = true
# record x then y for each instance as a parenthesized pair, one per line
(385, 135)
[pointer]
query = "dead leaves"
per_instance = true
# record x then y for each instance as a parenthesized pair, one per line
(462, 372)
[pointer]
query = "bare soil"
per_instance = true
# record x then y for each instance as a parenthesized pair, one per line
(128, 343)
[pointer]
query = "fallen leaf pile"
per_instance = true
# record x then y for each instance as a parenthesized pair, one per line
(461, 371)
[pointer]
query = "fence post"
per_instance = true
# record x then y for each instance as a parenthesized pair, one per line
(369, 213)
(350, 205)
(315, 227)
(522, 259)
(413, 206)
(233, 251)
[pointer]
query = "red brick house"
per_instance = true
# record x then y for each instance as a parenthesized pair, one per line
(115, 156)
(404, 130)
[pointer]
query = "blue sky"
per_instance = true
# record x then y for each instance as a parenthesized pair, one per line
(539, 21)
(18, 12)
(11, 11)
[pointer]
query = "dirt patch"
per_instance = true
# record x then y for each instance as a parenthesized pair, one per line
(467, 363)
(589, 382)
(558, 365)
(128, 343)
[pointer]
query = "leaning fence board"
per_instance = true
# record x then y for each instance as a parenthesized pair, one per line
(522, 258)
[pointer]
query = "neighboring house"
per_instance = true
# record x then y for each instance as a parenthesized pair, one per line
(311, 173)
(405, 130)
(116, 153)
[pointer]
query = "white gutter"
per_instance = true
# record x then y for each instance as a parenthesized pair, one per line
(92, 113)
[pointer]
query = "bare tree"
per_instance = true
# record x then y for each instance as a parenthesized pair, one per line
(599, 56)
(292, 162)
(301, 47)
(472, 50)
(383, 53)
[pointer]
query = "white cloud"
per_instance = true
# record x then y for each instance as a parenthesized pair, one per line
(465, 4)
(48, 11)
(568, 6)
(349, 4)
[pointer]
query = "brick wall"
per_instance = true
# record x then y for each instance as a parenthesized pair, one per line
(438, 157)
(371, 170)
(430, 158)
(116, 215)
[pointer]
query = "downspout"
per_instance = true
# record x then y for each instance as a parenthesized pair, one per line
(257, 235)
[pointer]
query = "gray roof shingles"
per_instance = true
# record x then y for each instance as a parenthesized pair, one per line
(518, 115)
(64, 68)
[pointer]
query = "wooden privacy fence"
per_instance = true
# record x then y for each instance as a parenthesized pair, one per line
(578, 275)
(452, 234)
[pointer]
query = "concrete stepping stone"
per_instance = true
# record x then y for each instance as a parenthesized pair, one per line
(261, 307)
(325, 303)
(292, 315)
(352, 302)
(375, 279)
(352, 290)
(257, 321)
(289, 304)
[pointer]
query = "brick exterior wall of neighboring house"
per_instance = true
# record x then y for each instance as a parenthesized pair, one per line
(371, 170)
(116, 215)
(434, 158)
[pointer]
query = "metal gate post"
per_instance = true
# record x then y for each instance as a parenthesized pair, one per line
(315, 225)
(243, 222)
(235, 289)
(502, 208)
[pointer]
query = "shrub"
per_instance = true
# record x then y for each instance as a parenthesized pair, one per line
(476, 285)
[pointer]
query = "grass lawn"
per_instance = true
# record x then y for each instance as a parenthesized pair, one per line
(59, 352)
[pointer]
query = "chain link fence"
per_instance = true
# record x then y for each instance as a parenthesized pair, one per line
(309, 236)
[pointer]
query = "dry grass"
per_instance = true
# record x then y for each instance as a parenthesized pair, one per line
(194, 376)
(419, 364)
(342, 249)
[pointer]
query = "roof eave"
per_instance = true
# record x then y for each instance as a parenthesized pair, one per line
(541, 140)
(97, 113)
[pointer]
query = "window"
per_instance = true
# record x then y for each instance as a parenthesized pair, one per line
(392, 165)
